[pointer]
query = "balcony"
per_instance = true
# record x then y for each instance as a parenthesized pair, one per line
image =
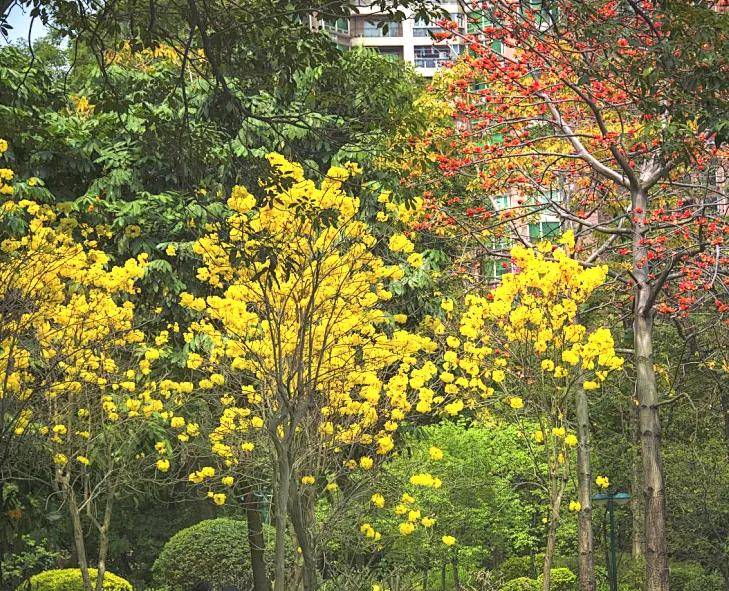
(432, 56)
(378, 28)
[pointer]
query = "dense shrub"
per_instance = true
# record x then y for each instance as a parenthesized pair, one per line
(521, 584)
(691, 576)
(214, 551)
(531, 566)
(563, 579)
(69, 579)
(631, 571)
(518, 566)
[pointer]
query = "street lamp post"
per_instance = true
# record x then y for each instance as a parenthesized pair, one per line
(610, 500)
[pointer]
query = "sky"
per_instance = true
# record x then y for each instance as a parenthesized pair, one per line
(20, 21)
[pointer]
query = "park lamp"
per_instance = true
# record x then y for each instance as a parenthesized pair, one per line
(611, 500)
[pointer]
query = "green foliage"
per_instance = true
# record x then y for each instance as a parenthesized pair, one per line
(521, 584)
(478, 503)
(563, 579)
(214, 551)
(69, 579)
(691, 576)
(631, 571)
(518, 566)
(32, 557)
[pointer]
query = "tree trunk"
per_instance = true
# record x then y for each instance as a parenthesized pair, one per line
(443, 576)
(552, 535)
(78, 533)
(256, 542)
(298, 513)
(650, 434)
(585, 541)
(656, 552)
(724, 397)
(3, 531)
(636, 494)
(456, 577)
(281, 505)
(104, 542)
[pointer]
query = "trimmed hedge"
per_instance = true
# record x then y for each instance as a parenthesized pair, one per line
(516, 567)
(69, 579)
(521, 584)
(563, 579)
(214, 551)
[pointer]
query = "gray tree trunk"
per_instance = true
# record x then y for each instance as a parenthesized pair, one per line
(298, 513)
(585, 539)
(78, 532)
(636, 494)
(556, 503)
(104, 542)
(656, 552)
(256, 542)
(281, 498)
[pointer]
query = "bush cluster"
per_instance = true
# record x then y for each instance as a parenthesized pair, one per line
(213, 552)
(69, 579)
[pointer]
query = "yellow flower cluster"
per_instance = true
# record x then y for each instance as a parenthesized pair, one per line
(296, 323)
(6, 174)
(425, 479)
(535, 312)
(69, 339)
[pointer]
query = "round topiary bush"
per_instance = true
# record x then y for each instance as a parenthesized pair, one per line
(213, 552)
(563, 579)
(517, 566)
(521, 584)
(69, 579)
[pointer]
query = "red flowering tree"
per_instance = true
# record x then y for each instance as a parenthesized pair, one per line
(605, 116)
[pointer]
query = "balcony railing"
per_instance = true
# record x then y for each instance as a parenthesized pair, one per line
(431, 62)
(382, 30)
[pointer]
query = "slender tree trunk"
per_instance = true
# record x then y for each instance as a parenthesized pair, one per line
(636, 493)
(78, 533)
(456, 577)
(298, 513)
(650, 434)
(256, 543)
(281, 508)
(443, 576)
(549, 551)
(104, 541)
(3, 532)
(724, 397)
(585, 541)
(649, 423)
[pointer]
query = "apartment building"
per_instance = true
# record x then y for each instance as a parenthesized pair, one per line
(415, 41)
(410, 40)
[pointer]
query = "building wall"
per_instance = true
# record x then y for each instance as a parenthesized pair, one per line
(407, 40)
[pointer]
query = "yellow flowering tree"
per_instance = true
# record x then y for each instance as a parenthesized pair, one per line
(293, 340)
(544, 357)
(73, 378)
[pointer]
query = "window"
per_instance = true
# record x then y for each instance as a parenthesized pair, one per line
(391, 53)
(423, 28)
(477, 21)
(501, 202)
(432, 56)
(541, 230)
(546, 197)
(382, 29)
(494, 266)
(546, 12)
(340, 25)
